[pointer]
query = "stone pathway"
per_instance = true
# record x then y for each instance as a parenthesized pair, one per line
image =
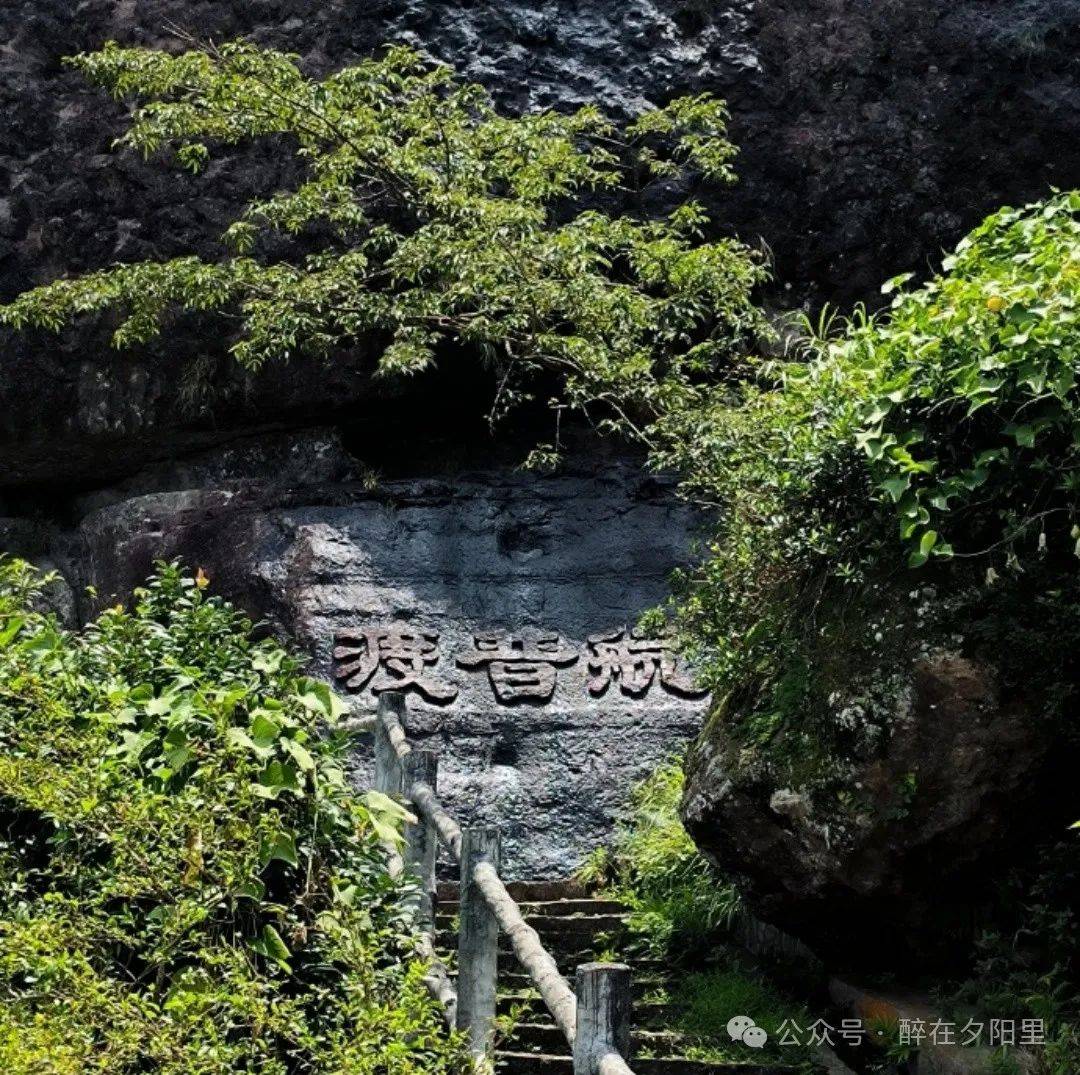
(577, 928)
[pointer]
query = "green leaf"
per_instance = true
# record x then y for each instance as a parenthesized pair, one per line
(238, 737)
(380, 803)
(158, 707)
(281, 848)
(267, 661)
(10, 629)
(387, 816)
(1024, 435)
(897, 281)
(896, 487)
(300, 754)
(252, 889)
(264, 730)
(318, 698)
(270, 945)
(279, 776)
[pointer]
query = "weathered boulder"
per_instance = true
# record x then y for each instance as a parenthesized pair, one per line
(851, 168)
(895, 861)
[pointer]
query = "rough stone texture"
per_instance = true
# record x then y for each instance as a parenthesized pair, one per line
(873, 134)
(895, 881)
(580, 553)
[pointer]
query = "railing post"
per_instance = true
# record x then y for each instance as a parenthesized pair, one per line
(421, 839)
(603, 1015)
(478, 945)
(388, 770)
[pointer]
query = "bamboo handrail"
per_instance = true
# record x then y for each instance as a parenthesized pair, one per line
(554, 989)
(427, 804)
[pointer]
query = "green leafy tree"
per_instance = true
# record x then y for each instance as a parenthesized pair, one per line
(433, 218)
(187, 883)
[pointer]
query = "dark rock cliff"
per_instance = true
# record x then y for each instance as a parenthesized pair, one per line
(873, 133)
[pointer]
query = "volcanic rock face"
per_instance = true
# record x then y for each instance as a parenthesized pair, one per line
(872, 135)
(886, 879)
(499, 603)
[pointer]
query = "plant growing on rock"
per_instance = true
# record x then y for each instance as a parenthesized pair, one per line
(424, 217)
(900, 496)
(941, 433)
(187, 883)
(678, 901)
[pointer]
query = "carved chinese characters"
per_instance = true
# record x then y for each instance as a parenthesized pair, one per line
(634, 661)
(521, 667)
(393, 659)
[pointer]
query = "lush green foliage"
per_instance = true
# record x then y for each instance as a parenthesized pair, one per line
(681, 908)
(948, 423)
(678, 902)
(433, 218)
(187, 884)
(940, 435)
(705, 1001)
(968, 406)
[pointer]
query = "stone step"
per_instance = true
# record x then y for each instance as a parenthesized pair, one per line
(552, 908)
(523, 1063)
(643, 980)
(556, 925)
(526, 891)
(649, 970)
(568, 962)
(569, 949)
(548, 1038)
(647, 1015)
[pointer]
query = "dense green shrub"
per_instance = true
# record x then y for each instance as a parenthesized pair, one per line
(678, 902)
(187, 883)
(968, 399)
(908, 481)
(941, 434)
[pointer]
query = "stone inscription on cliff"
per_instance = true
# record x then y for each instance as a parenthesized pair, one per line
(520, 666)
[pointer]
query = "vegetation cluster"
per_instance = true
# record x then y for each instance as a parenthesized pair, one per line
(681, 912)
(896, 482)
(187, 883)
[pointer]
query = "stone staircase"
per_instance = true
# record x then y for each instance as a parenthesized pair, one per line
(576, 928)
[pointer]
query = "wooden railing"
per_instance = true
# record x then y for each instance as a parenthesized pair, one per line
(594, 1018)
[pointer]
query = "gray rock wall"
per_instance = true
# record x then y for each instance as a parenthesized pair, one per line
(543, 736)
